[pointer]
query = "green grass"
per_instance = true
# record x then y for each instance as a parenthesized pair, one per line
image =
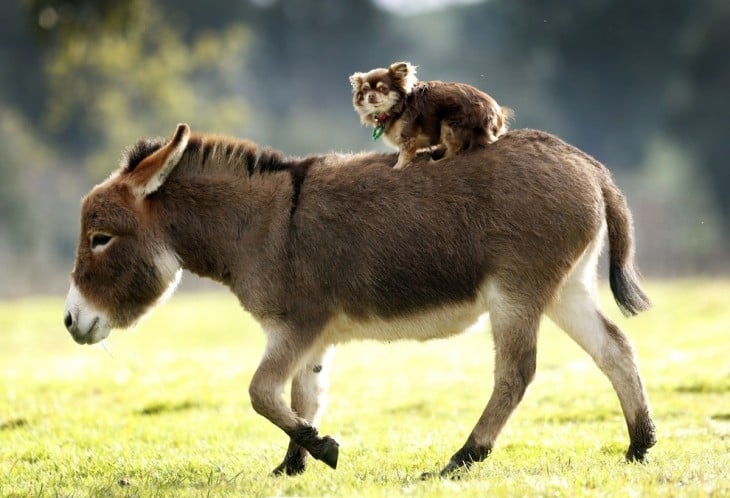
(165, 410)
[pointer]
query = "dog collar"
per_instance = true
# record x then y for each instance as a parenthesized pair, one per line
(380, 127)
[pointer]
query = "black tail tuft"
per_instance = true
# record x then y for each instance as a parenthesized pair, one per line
(625, 287)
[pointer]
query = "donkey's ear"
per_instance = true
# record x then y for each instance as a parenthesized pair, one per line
(152, 171)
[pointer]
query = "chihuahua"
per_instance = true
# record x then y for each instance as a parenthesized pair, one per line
(413, 115)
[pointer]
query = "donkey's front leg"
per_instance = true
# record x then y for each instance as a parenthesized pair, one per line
(286, 352)
(308, 399)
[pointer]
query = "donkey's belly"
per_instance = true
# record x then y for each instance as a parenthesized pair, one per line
(431, 323)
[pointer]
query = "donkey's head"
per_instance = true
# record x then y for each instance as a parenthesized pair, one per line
(123, 264)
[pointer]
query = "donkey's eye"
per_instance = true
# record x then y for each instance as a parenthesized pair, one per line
(99, 240)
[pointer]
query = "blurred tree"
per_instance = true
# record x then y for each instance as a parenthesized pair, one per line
(118, 70)
(301, 54)
(22, 81)
(697, 102)
(61, 19)
(21, 154)
(620, 72)
(308, 48)
(607, 65)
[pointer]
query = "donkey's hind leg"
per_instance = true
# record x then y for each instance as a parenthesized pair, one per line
(576, 311)
(308, 398)
(514, 327)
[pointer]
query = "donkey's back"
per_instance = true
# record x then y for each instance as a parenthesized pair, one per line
(383, 243)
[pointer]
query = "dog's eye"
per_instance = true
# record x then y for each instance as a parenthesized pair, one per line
(383, 88)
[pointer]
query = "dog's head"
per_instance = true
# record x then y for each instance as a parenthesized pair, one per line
(379, 91)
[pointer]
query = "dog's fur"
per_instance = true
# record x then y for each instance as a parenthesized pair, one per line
(414, 114)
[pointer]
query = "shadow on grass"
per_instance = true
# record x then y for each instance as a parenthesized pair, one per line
(163, 407)
(579, 417)
(12, 424)
(419, 407)
(705, 386)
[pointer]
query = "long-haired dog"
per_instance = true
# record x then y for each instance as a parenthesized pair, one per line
(413, 115)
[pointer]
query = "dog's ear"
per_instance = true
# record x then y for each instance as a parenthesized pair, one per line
(508, 114)
(356, 80)
(504, 120)
(405, 74)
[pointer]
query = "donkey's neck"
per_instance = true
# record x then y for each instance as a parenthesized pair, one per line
(226, 208)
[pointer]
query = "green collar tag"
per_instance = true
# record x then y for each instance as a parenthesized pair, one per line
(378, 131)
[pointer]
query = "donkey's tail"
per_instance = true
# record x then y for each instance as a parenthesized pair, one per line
(623, 273)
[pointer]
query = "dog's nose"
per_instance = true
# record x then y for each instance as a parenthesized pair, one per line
(372, 98)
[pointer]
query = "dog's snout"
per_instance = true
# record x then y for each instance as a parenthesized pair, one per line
(372, 98)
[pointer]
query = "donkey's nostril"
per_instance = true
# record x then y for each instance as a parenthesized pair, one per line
(68, 321)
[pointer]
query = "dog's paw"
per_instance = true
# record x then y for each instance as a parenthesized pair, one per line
(402, 164)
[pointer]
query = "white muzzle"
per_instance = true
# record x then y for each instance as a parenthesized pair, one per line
(86, 324)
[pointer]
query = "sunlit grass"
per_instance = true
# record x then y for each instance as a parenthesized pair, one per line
(164, 410)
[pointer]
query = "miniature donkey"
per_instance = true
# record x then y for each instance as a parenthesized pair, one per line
(331, 248)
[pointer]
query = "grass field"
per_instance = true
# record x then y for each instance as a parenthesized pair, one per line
(164, 410)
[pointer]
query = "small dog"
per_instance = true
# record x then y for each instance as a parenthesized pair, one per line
(414, 115)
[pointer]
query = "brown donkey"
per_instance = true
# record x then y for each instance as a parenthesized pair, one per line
(331, 248)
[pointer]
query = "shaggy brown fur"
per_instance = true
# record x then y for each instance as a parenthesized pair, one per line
(331, 248)
(413, 115)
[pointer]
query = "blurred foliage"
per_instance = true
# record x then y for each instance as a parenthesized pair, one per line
(641, 86)
(22, 155)
(136, 74)
(679, 220)
(626, 70)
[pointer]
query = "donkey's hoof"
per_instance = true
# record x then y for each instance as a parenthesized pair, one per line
(330, 451)
(427, 476)
(290, 468)
(636, 454)
(454, 470)
(451, 471)
(463, 459)
(324, 448)
(294, 462)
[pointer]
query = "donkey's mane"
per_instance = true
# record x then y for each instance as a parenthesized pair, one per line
(211, 154)
(134, 155)
(219, 155)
